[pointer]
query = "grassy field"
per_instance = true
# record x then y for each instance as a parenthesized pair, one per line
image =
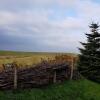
(23, 58)
(69, 90)
(26, 58)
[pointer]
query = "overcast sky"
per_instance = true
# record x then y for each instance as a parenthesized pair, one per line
(46, 25)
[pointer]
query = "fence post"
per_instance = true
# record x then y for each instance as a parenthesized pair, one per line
(72, 68)
(15, 76)
(54, 77)
(66, 73)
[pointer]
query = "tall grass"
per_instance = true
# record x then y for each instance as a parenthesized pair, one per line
(26, 58)
(69, 90)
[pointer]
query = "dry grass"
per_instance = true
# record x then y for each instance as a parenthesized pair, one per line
(29, 60)
(25, 58)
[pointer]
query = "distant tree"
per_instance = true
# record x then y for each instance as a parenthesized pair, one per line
(89, 59)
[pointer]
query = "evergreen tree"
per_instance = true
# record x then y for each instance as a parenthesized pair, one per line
(89, 59)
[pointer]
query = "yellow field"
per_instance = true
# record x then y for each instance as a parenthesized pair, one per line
(24, 58)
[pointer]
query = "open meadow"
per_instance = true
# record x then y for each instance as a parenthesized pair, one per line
(26, 58)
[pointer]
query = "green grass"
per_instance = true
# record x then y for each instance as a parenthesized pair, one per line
(69, 90)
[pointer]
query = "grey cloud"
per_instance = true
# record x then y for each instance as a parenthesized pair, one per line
(38, 34)
(15, 5)
(34, 30)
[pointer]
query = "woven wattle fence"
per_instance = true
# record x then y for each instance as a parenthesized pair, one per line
(44, 73)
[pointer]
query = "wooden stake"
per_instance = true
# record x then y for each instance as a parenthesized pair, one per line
(54, 78)
(66, 74)
(15, 76)
(72, 66)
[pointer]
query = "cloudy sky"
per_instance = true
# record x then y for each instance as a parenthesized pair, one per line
(46, 25)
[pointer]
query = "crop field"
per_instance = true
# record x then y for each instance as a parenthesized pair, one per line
(26, 58)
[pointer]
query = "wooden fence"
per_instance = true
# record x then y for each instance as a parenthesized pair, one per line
(44, 73)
